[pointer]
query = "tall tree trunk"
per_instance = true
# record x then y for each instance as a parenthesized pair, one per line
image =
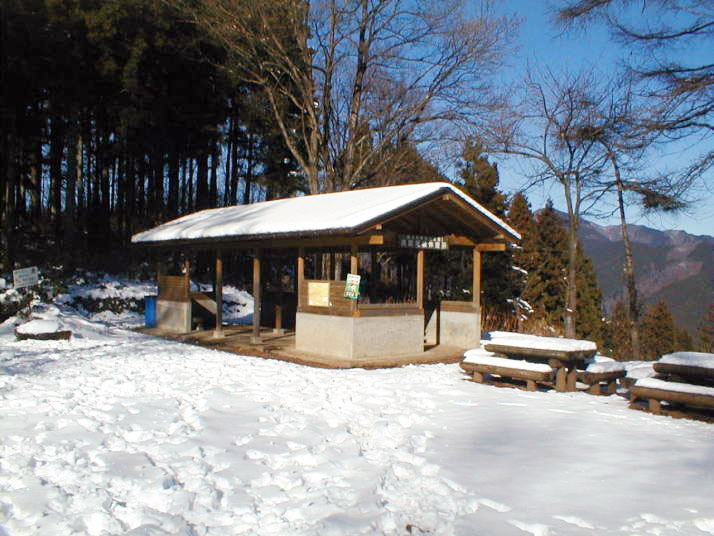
(571, 292)
(56, 153)
(173, 199)
(356, 102)
(213, 185)
(633, 307)
(74, 177)
(202, 181)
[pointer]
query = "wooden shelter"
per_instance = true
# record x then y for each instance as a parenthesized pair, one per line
(408, 218)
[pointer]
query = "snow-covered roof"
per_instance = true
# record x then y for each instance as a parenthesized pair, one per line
(341, 212)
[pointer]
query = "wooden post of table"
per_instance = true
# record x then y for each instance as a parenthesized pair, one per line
(257, 295)
(354, 269)
(218, 332)
(572, 378)
(420, 279)
(300, 276)
(476, 287)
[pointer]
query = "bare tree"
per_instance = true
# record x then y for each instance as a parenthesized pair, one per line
(349, 79)
(664, 37)
(546, 129)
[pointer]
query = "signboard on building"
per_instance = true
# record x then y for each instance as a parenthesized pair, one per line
(318, 293)
(25, 277)
(352, 286)
(423, 242)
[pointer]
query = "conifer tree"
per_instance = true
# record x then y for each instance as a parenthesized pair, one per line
(619, 341)
(589, 322)
(659, 333)
(546, 261)
(706, 332)
(521, 218)
(480, 180)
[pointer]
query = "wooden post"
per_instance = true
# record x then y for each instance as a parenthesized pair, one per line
(420, 279)
(159, 272)
(561, 385)
(372, 275)
(218, 332)
(571, 379)
(477, 279)
(257, 295)
(300, 276)
(338, 267)
(354, 269)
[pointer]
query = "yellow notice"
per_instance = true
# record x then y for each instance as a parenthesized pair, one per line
(318, 293)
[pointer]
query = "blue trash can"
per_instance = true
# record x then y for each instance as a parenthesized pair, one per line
(150, 311)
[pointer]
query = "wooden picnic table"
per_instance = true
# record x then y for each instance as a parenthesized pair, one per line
(563, 361)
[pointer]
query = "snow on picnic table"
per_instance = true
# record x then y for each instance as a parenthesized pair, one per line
(479, 356)
(522, 340)
(114, 432)
(679, 387)
(690, 359)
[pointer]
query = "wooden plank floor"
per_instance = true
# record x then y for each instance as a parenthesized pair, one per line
(237, 340)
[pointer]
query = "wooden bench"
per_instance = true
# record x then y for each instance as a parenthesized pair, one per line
(531, 373)
(563, 355)
(690, 373)
(682, 399)
(601, 383)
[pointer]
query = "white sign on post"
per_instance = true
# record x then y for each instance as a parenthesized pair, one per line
(25, 277)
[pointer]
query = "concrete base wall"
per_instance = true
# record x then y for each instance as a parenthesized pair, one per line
(460, 329)
(357, 338)
(454, 328)
(173, 316)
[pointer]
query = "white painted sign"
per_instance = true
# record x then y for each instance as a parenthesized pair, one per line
(25, 277)
(423, 242)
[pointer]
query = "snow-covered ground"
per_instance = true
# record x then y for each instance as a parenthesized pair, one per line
(114, 432)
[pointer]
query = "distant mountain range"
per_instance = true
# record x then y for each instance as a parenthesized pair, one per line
(673, 266)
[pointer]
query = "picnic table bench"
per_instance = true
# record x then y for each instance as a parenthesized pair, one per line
(601, 377)
(483, 366)
(685, 383)
(562, 355)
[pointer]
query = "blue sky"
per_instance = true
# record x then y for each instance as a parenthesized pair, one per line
(542, 44)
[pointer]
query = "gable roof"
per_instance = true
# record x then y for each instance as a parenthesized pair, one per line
(349, 212)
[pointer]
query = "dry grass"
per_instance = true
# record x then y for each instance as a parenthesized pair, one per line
(493, 321)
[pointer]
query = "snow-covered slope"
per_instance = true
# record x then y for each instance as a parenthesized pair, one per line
(113, 432)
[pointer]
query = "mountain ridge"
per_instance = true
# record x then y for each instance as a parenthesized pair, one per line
(671, 265)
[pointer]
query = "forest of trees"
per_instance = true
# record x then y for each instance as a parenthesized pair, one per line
(118, 115)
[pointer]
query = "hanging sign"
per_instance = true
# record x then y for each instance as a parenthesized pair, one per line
(352, 286)
(423, 242)
(25, 277)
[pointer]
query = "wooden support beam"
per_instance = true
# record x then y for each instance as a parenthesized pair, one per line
(420, 279)
(300, 275)
(257, 294)
(354, 269)
(495, 246)
(476, 287)
(372, 275)
(218, 332)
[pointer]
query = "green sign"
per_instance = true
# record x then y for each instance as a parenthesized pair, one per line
(352, 286)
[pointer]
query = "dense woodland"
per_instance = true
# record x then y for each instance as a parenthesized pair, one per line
(118, 115)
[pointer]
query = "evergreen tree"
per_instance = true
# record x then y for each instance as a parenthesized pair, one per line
(706, 332)
(480, 180)
(659, 332)
(619, 341)
(589, 322)
(545, 259)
